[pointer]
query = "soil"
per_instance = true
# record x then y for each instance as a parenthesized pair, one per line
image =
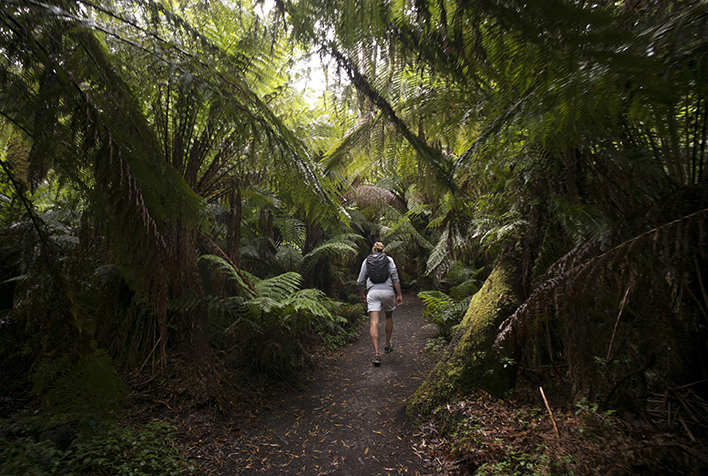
(348, 418)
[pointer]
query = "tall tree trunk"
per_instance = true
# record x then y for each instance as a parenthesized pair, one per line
(233, 235)
(313, 234)
(470, 362)
(183, 242)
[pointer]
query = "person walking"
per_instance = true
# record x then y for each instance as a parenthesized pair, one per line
(379, 277)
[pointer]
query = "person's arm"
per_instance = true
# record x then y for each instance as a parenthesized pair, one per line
(393, 271)
(361, 282)
(399, 294)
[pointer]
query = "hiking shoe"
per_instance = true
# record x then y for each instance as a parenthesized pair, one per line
(388, 348)
(376, 360)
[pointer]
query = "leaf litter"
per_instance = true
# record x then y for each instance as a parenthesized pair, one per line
(345, 417)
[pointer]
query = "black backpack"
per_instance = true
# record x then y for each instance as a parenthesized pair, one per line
(377, 267)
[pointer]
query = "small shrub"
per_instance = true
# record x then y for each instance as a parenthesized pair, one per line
(93, 448)
(517, 464)
(343, 328)
(595, 420)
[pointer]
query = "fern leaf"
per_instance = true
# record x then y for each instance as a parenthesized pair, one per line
(89, 386)
(279, 287)
(224, 267)
(435, 301)
(325, 252)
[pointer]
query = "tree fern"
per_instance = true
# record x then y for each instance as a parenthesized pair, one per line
(289, 258)
(326, 251)
(646, 253)
(310, 301)
(284, 316)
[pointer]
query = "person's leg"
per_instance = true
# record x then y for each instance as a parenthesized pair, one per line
(374, 330)
(389, 327)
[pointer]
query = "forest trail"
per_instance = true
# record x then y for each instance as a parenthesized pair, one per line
(349, 416)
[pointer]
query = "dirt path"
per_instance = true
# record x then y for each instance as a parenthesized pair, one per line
(349, 418)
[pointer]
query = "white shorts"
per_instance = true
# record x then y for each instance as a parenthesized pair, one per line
(380, 300)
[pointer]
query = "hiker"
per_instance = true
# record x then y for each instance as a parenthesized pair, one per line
(378, 275)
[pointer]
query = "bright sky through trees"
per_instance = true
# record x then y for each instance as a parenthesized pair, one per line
(308, 74)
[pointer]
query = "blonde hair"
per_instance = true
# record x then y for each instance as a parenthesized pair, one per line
(378, 247)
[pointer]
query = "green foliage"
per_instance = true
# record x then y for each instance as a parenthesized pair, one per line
(345, 327)
(274, 323)
(222, 266)
(280, 323)
(92, 448)
(342, 246)
(519, 464)
(278, 288)
(566, 138)
(436, 345)
(464, 436)
(87, 386)
(446, 310)
(596, 422)
(149, 118)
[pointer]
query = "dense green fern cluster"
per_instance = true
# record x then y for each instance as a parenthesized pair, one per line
(273, 323)
(446, 306)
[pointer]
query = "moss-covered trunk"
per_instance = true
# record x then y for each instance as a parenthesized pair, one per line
(470, 362)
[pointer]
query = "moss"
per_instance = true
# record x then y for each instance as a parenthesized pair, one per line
(471, 363)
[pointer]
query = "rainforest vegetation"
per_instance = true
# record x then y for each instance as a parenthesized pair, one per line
(187, 190)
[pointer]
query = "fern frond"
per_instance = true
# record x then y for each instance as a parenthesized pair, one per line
(279, 287)
(289, 258)
(435, 301)
(325, 251)
(309, 302)
(293, 232)
(88, 386)
(224, 267)
(439, 259)
(404, 228)
(455, 312)
(264, 305)
(467, 288)
(185, 303)
(235, 313)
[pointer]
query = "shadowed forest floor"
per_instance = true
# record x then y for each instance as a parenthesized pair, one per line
(349, 416)
(343, 416)
(346, 417)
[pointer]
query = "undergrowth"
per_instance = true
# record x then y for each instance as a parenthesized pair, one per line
(480, 435)
(89, 447)
(487, 438)
(435, 346)
(344, 328)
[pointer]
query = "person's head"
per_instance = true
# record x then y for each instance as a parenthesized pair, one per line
(378, 247)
